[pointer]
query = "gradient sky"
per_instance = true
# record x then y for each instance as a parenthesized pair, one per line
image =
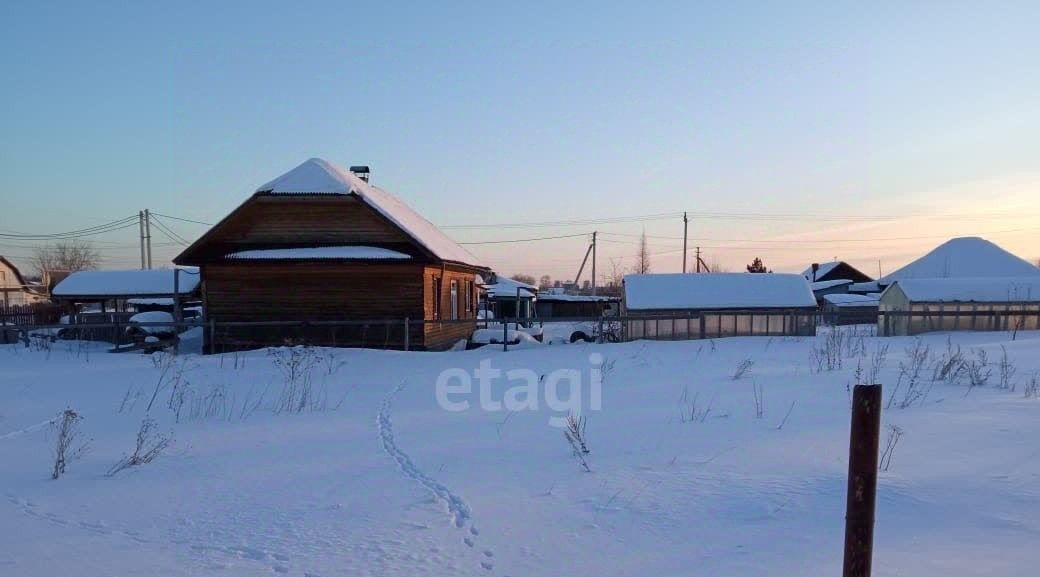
(867, 133)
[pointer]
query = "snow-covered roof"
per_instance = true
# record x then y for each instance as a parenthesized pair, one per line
(990, 289)
(507, 287)
(971, 257)
(717, 291)
(320, 253)
(850, 300)
(826, 284)
(318, 176)
(561, 297)
(119, 283)
(865, 287)
(825, 267)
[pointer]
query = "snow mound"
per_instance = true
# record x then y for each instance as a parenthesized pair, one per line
(964, 257)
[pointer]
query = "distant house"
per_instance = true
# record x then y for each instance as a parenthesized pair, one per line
(722, 304)
(510, 298)
(14, 290)
(557, 304)
(850, 309)
(320, 243)
(918, 305)
(834, 271)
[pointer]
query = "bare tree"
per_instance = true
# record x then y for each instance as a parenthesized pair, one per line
(525, 278)
(715, 265)
(611, 279)
(65, 255)
(545, 282)
(642, 265)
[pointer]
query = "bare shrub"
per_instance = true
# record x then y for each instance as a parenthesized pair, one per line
(690, 411)
(910, 382)
(950, 366)
(757, 390)
(296, 366)
(575, 435)
(1032, 388)
(171, 371)
(894, 434)
(69, 445)
(836, 345)
(742, 368)
(877, 362)
(787, 415)
(978, 370)
(1006, 368)
(148, 447)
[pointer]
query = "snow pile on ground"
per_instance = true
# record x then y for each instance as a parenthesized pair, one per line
(320, 462)
(150, 317)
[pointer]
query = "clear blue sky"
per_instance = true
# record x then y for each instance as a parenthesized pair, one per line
(526, 112)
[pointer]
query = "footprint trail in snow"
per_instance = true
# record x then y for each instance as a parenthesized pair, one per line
(460, 513)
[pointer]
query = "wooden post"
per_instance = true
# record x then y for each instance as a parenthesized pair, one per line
(212, 337)
(407, 328)
(862, 490)
(505, 335)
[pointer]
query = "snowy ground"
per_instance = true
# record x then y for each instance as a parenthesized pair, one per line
(374, 477)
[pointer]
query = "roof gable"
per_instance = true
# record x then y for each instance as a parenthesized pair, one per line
(318, 176)
(17, 273)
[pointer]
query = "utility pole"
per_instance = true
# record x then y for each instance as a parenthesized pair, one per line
(698, 259)
(594, 263)
(685, 226)
(148, 236)
(140, 225)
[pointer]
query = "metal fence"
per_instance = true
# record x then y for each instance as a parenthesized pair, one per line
(977, 317)
(410, 334)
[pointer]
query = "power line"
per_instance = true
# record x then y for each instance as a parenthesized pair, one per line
(183, 219)
(167, 232)
(527, 239)
(91, 231)
(578, 222)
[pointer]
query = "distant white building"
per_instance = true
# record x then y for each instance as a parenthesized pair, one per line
(14, 290)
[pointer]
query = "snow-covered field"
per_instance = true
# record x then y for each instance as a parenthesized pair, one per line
(375, 477)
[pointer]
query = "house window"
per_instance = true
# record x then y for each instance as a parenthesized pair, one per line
(469, 297)
(454, 300)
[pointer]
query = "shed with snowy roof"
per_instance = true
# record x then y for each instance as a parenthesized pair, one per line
(918, 305)
(320, 243)
(724, 304)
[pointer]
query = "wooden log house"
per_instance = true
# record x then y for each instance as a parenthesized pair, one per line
(320, 243)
